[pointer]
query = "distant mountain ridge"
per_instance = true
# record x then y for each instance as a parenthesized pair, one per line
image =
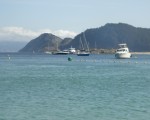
(11, 46)
(104, 37)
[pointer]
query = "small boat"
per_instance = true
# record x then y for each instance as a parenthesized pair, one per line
(48, 52)
(83, 53)
(85, 48)
(72, 50)
(122, 52)
(61, 53)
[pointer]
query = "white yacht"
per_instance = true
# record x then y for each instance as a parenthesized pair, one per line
(61, 53)
(72, 50)
(122, 52)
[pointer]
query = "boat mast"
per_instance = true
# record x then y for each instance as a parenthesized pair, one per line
(57, 45)
(95, 45)
(48, 46)
(87, 46)
(82, 47)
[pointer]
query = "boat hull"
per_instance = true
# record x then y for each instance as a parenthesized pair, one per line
(83, 54)
(123, 55)
(61, 53)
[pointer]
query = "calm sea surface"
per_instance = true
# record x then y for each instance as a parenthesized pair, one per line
(98, 87)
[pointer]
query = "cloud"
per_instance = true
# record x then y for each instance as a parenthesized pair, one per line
(64, 33)
(22, 34)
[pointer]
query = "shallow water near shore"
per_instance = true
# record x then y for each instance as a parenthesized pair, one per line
(97, 87)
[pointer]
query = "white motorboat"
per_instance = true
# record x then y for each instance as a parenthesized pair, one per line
(72, 50)
(61, 53)
(122, 52)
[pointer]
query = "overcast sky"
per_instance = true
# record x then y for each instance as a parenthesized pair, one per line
(27, 19)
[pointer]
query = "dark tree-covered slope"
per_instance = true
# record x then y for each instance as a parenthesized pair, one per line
(104, 37)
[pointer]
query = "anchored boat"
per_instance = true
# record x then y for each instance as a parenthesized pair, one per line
(85, 47)
(122, 52)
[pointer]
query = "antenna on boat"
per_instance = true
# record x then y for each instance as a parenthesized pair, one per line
(82, 47)
(87, 46)
(95, 45)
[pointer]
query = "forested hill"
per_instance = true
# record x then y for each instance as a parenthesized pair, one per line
(104, 37)
(45, 42)
(108, 36)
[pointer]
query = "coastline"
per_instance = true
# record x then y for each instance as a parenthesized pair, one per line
(142, 53)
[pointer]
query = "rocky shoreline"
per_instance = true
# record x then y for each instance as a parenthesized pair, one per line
(102, 51)
(138, 53)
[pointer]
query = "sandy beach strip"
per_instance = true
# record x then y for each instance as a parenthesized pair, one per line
(137, 53)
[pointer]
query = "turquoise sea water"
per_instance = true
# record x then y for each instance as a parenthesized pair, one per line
(98, 87)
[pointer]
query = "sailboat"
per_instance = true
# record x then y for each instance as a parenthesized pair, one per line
(84, 47)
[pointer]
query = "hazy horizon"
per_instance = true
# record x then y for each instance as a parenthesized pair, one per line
(23, 20)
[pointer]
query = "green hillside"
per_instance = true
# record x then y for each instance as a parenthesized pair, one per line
(104, 37)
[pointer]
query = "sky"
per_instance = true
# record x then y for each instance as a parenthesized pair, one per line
(23, 20)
